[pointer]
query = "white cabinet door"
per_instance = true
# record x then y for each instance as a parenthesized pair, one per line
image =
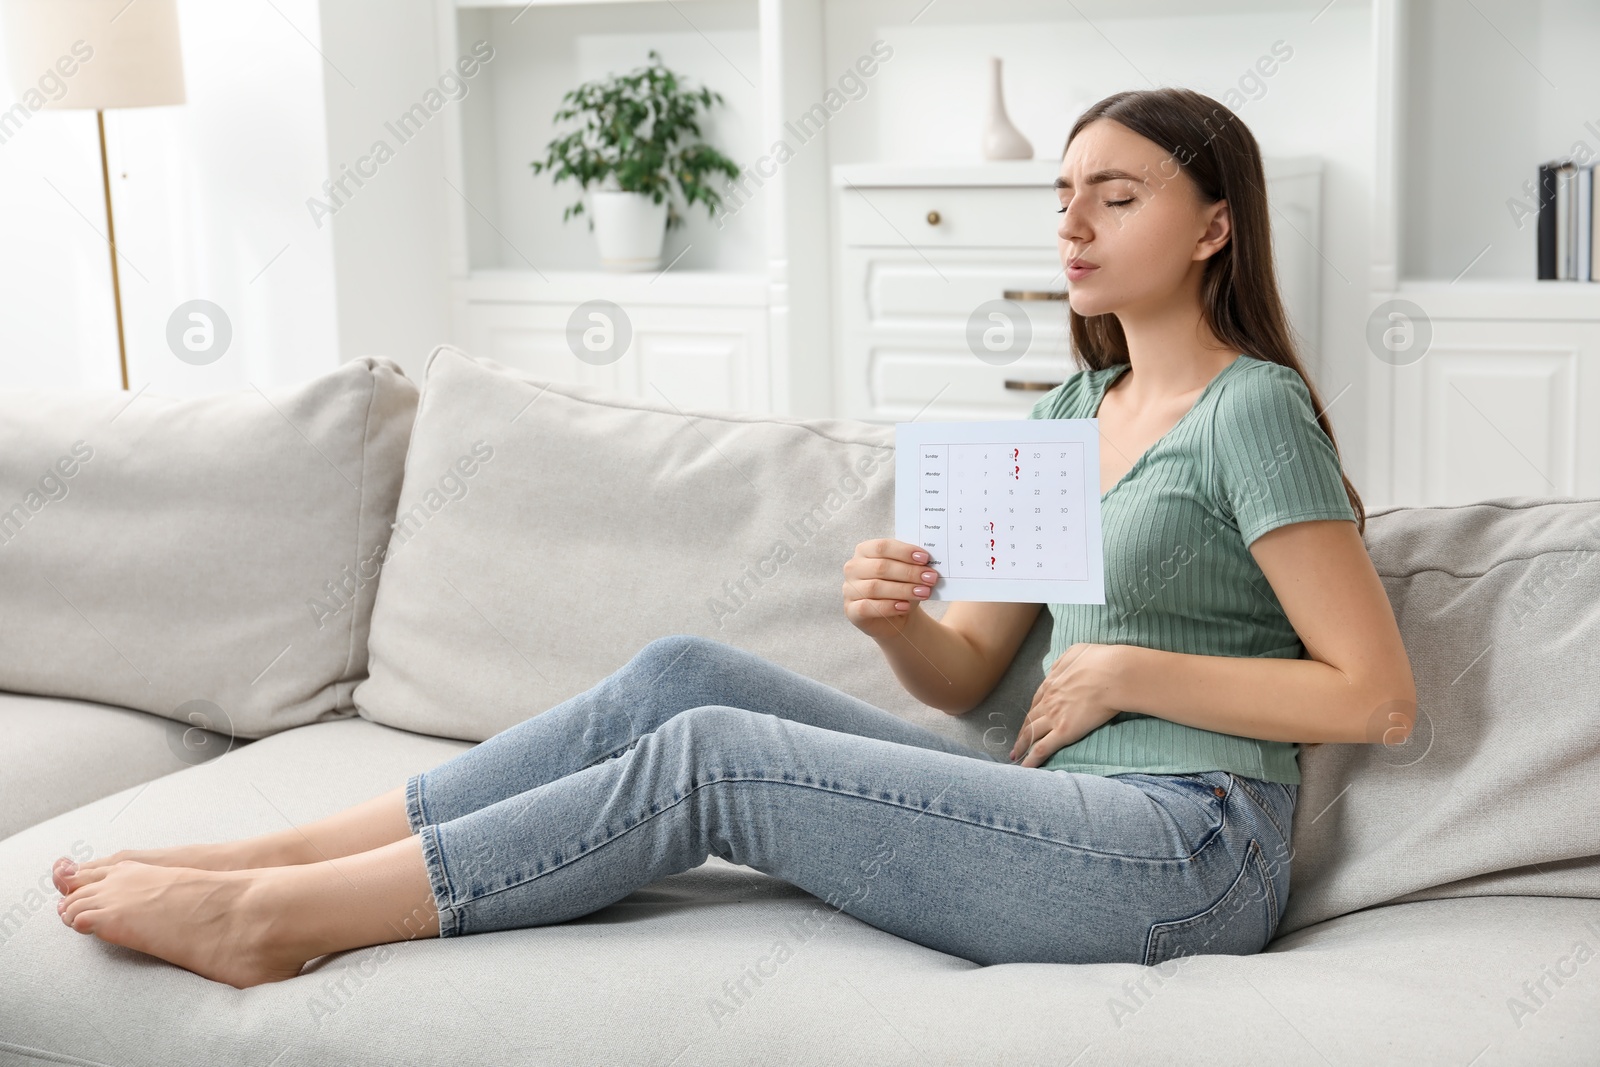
(1496, 408)
(533, 338)
(691, 357)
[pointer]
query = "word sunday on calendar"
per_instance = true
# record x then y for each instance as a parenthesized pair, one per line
(1003, 508)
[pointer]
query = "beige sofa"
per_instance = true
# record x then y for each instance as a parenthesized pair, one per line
(253, 609)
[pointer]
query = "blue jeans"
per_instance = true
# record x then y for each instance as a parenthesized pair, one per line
(695, 747)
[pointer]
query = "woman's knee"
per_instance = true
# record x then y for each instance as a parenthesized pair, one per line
(714, 736)
(667, 646)
(672, 650)
(711, 721)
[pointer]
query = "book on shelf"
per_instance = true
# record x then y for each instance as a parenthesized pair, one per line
(1568, 225)
(1584, 215)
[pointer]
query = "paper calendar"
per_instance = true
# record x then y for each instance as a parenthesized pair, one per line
(1007, 511)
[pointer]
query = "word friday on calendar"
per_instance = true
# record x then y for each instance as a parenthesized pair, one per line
(1008, 511)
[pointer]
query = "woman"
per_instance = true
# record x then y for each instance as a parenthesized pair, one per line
(1148, 816)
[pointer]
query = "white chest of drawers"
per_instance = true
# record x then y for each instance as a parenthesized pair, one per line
(921, 248)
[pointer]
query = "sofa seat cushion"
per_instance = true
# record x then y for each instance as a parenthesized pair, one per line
(724, 965)
(62, 754)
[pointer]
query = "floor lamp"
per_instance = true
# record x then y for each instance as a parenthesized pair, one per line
(95, 54)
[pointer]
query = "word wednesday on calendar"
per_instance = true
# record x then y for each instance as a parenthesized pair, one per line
(1007, 510)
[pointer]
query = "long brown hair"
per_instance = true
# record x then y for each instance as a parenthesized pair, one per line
(1239, 289)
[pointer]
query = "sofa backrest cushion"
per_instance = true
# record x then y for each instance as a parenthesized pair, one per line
(210, 559)
(547, 532)
(1494, 792)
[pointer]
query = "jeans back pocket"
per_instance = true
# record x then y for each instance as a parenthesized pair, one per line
(1240, 923)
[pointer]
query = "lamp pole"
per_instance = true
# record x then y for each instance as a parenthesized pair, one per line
(111, 239)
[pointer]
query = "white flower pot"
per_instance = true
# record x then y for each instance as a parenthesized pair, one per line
(629, 228)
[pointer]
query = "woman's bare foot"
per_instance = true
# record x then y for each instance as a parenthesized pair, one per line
(214, 923)
(258, 925)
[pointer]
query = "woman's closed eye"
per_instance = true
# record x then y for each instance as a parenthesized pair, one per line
(1108, 203)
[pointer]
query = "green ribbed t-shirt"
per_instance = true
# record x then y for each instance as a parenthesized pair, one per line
(1247, 458)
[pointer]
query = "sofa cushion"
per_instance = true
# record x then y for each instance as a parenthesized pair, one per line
(724, 965)
(1494, 792)
(158, 550)
(547, 532)
(61, 754)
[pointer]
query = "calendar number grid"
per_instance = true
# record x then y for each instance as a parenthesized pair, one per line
(1004, 510)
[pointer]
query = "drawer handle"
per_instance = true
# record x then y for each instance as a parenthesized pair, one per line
(1030, 387)
(1033, 294)
(933, 218)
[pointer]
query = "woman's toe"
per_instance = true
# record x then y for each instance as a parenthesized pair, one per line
(71, 882)
(76, 903)
(86, 921)
(60, 871)
(101, 862)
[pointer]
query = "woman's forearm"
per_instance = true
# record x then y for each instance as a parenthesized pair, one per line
(1298, 700)
(935, 664)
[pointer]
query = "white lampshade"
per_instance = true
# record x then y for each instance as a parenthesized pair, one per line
(94, 53)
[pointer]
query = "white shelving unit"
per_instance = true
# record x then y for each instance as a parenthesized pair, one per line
(715, 328)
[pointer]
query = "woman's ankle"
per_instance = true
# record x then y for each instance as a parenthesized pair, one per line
(287, 849)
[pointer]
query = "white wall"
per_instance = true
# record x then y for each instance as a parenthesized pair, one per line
(389, 235)
(56, 326)
(208, 201)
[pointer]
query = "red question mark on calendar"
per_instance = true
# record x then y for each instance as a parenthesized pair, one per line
(1016, 472)
(991, 563)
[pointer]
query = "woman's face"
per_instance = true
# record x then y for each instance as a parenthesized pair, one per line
(1127, 208)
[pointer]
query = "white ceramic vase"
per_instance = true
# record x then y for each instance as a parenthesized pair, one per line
(1001, 140)
(629, 229)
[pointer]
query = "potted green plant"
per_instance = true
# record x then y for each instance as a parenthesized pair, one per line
(639, 135)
